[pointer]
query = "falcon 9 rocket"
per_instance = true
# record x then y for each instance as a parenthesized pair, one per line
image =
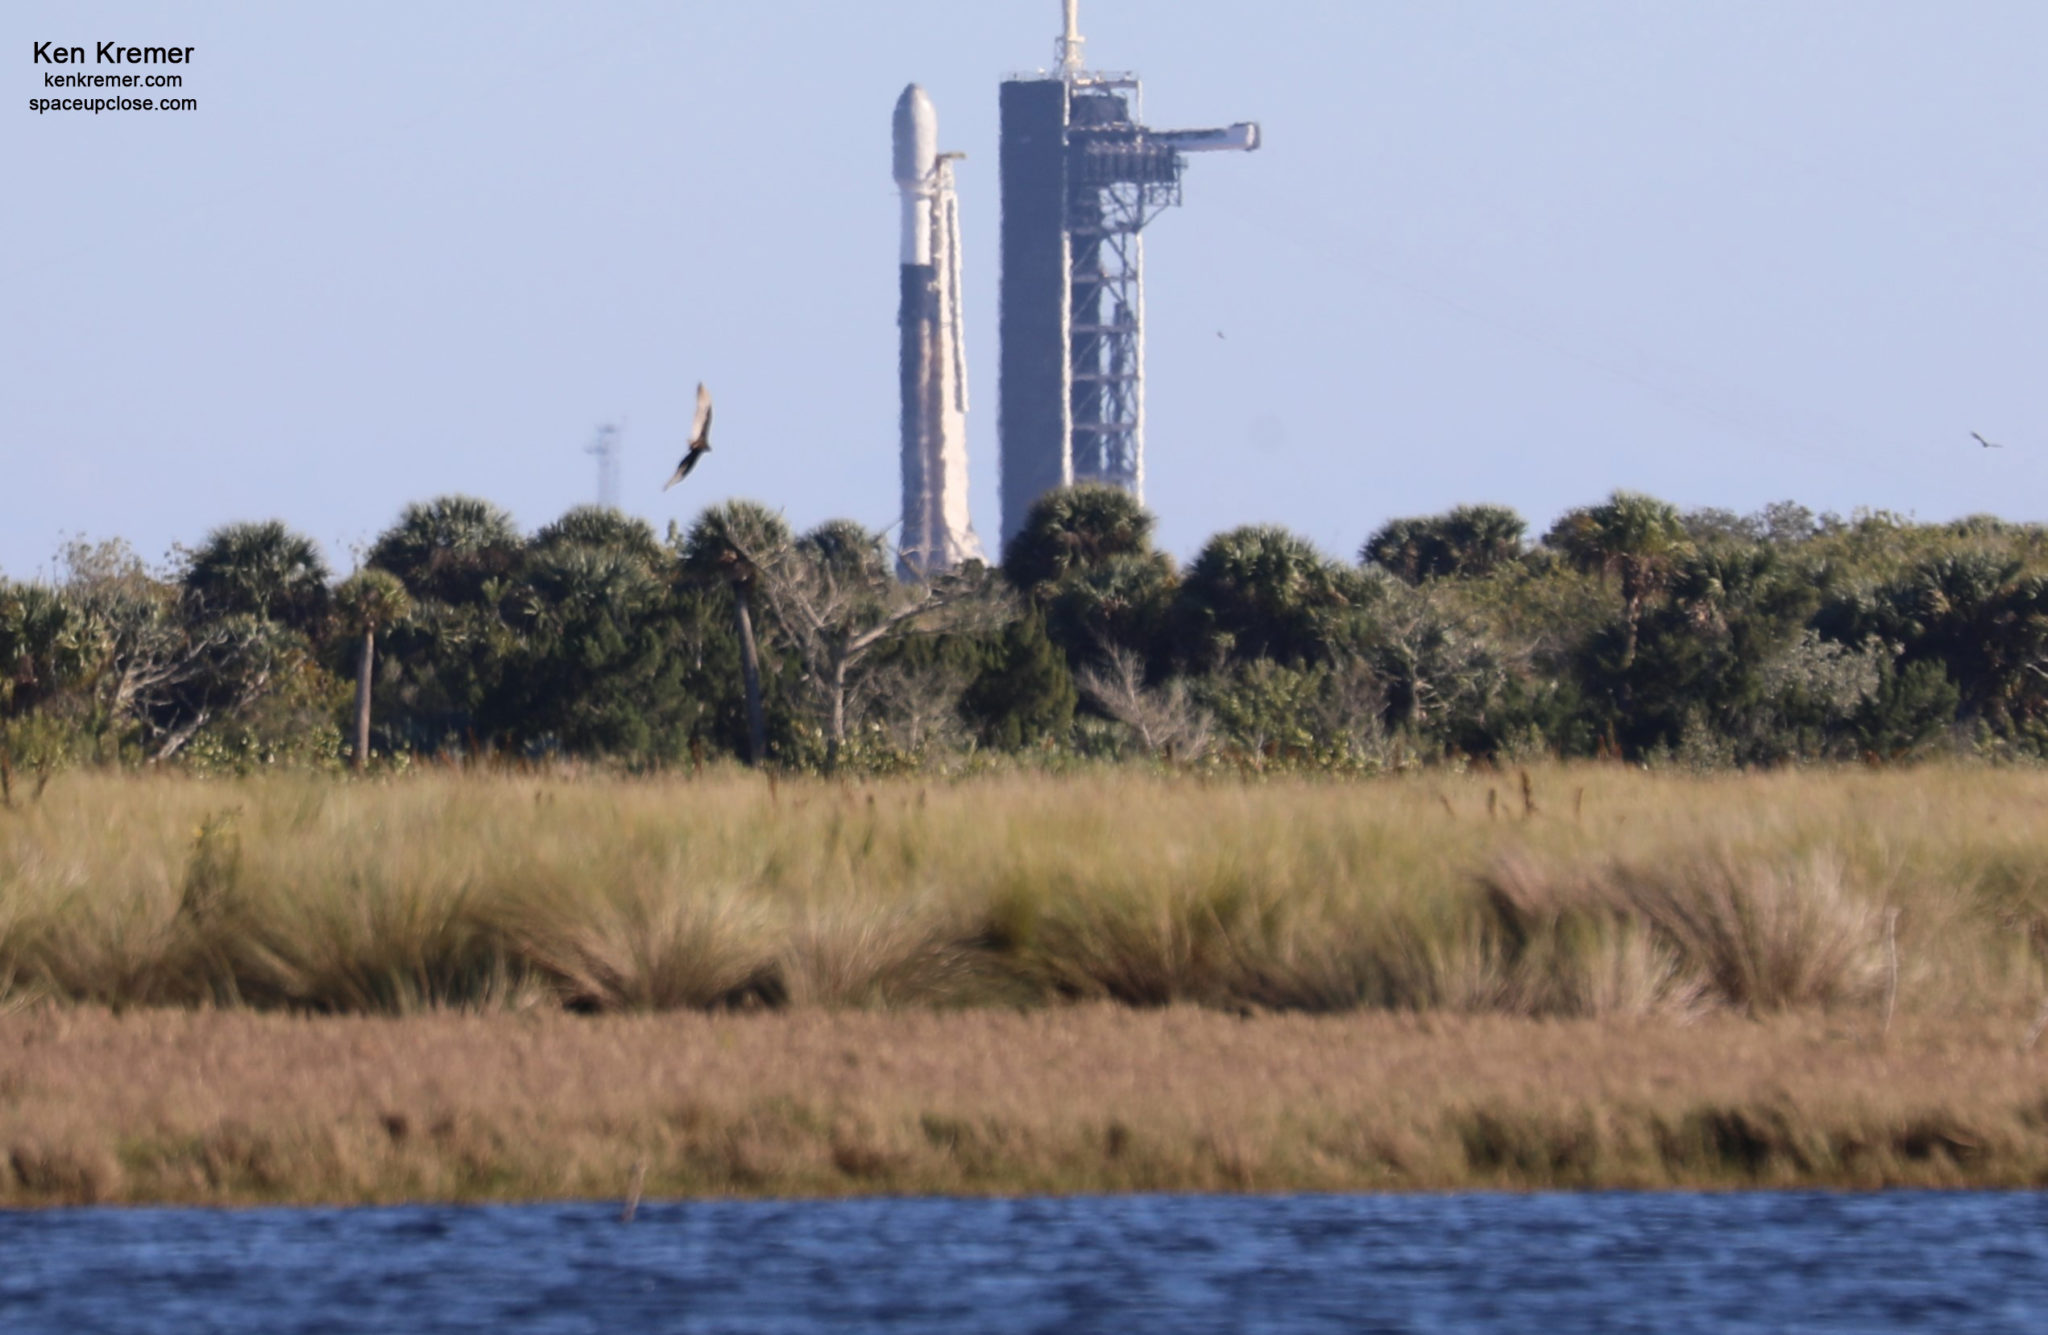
(937, 534)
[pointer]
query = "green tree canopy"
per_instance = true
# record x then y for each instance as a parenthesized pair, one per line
(1638, 538)
(1071, 530)
(603, 527)
(1469, 540)
(1122, 603)
(729, 542)
(1263, 592)
(371, 601)
(262, 570)
(448, 548)
(1024, 693)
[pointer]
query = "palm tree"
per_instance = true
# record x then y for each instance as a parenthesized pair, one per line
(1121, 604)
(1471, 540)
(1636, 537)
(1263, 592)
(847, 550)
(369, 600)
(601, 526)
(45, 646)
(731, 542)
(1075, 529)
(1483, 538)
(447, 548)
(1408, 549)
(263, 570)
(1984, 617)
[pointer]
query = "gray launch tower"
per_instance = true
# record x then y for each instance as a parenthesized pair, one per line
(1081, 177)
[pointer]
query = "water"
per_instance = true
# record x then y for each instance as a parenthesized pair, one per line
(1606, 1262)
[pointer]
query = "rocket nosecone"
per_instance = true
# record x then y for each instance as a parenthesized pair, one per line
(916, 133)
(917, 137)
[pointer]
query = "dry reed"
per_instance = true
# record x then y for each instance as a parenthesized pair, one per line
(1659, 895)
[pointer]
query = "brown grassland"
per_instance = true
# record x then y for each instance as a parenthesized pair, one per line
(462, 986)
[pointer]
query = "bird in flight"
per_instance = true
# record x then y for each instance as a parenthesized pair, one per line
(700, 438)
(1987, 444)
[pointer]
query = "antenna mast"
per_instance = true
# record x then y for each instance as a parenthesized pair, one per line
(1069, 47)
(606, 447)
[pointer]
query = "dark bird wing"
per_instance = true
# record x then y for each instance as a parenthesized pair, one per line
(683, 468)
(1987, 444)
(700, 438)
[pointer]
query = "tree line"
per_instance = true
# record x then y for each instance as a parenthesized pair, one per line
(1629, 629)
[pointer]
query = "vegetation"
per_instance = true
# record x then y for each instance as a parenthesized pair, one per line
(1632, 630)
(1589, 891)
(215, 1107)
(1046, 885)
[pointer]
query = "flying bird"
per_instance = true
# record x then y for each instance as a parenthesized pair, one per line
(1987, 444)
(700, 438)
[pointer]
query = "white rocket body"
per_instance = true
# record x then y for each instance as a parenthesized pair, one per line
(937, 533)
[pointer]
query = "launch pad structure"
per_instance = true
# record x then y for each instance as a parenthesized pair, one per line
(1082, 176)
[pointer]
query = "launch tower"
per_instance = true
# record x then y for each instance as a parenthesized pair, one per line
(1081, 177)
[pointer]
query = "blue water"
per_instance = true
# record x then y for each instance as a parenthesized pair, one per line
(1927, 1261)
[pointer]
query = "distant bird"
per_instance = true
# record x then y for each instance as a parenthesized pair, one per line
(1987, 444)
(700, 437)
(1219, 333)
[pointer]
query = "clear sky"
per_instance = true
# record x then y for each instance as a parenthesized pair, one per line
(1492, 250)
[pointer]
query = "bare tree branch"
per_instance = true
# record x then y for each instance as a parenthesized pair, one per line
(1165, 721)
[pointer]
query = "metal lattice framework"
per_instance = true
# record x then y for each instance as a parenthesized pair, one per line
(1118, 180)
(606, 446)
(1082, 177)
(1106, 357)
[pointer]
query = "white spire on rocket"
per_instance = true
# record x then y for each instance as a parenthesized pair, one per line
(1071, 43)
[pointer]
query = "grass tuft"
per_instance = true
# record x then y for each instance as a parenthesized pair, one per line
(1637, 938)
(1659, 896)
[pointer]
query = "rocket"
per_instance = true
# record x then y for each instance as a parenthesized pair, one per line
(937, 534)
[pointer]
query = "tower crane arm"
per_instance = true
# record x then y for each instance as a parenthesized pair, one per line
(1242, 137)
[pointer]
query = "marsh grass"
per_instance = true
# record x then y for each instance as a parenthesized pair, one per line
(236, 1106)
(1643, 895)
(1716, 925)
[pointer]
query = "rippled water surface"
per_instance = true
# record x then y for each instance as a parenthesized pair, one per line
(1619, 1262)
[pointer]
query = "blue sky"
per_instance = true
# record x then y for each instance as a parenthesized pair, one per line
(1727, 253)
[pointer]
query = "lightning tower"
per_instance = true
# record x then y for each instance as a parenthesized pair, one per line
(932, 364)
(1082, 175)
(606, 446)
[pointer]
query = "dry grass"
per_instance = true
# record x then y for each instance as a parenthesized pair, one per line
(238, 1106)
(1742, 930)
(1611, 893)
(1023, 983)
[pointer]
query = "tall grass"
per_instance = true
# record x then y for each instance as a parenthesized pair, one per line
(1742, 929)
(1613, 892)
